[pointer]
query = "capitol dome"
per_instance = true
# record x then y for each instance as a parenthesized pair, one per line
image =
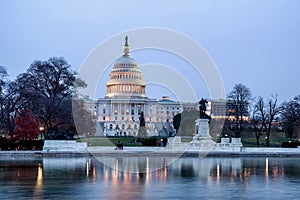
(125, 77)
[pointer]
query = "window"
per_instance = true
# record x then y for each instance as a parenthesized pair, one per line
(104, 110)
(104, 118)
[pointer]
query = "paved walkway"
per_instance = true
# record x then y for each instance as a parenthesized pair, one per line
(157, 151)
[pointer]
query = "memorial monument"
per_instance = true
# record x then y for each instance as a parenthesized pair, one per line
(202, 138)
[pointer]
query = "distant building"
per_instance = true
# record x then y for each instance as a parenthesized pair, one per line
(187, 106)
(117, 114)
(119, 111)
(218, 108)
(222, 109)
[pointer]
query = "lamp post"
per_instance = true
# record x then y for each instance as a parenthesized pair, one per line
(42, 131)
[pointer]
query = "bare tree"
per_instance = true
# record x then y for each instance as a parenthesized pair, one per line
(3, 98)
(239, 99)
(291, 117)
(273, 110)
(84, 121)
(258, 119)
(46, 89)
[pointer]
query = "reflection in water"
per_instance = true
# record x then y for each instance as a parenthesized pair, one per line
(218, 173)
(135, 177)
(39, 182)
(267, 168)
(138, 164)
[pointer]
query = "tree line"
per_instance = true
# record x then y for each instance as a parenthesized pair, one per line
(43, 99)
(243, 112)
(263, 114)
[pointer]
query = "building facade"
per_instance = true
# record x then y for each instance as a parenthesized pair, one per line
(118, 113)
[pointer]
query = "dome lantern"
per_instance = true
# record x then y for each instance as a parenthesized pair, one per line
(125, 77)
(126, 47)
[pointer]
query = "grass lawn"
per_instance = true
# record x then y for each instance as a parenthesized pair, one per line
(248, 140)
(186, 139)
(276, 138)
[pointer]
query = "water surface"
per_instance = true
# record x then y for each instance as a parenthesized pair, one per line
(150, 178)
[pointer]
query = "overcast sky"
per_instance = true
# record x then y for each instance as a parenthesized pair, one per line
(254, 42)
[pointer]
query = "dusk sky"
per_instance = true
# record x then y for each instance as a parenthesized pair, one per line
(253, 42)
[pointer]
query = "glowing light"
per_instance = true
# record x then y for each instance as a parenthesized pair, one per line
(218, 173)
(39, 181)
(88, 165)
(267, 168)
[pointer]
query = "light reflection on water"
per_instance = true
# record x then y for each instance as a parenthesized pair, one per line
(135, 178)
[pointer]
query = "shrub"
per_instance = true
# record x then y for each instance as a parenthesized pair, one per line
(4, 143)
(290, 144)
(154, 141)
(59, 135)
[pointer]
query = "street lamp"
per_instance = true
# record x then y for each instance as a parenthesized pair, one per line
(41, 131)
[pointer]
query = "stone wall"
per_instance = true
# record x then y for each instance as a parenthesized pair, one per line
(64, 145)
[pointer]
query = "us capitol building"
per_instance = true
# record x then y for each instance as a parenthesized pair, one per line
(119, 111)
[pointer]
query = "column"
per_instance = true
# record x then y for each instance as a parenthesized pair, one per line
(111, 112)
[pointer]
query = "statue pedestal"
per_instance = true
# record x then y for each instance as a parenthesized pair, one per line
(236, 143)
(202, 138)
(202, 129)
(226, 145)
(174, 140)
(225, 140)
(175, 145)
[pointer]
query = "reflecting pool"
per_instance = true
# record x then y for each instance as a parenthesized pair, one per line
(150, 178)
